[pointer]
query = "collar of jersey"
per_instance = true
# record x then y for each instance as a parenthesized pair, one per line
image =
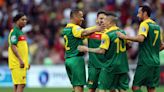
(112, 29)
(148, 20)
(70, 25)
(17, 28)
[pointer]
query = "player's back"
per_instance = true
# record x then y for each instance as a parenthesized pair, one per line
(116, 54)
(149, 49)
(72, 40)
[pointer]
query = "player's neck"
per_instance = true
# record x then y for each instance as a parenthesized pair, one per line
(146, 18)
(73, 22)
(18, 26)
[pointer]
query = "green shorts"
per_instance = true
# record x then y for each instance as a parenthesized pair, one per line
(147, 75)
(93, 75)
(75, 68)
(109, 81)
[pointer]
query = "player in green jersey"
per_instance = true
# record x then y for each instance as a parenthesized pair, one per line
(96, 61)
(148, 68)
(114, 74)
(74, 62)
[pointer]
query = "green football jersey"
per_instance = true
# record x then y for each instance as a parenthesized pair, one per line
(95, 60)
(149, 49)
(72, 37)
(116, 52)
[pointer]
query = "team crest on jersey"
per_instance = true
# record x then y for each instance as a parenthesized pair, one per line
(103, 41)
(13, 38)
(143, 29)
(78, 28)
(90, 82)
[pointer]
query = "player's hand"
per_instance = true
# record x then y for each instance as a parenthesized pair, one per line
(121, 35)
(99, 28)
(82, 48)
(21, 64)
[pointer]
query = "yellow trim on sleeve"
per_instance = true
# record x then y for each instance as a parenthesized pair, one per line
(76, 30)
(144, 27)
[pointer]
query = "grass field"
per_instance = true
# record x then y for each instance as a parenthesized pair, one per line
(160, 89)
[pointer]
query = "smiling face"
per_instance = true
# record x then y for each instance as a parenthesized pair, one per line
(101, 19)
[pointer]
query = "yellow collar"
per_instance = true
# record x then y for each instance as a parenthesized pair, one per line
(149, 20)
(111, 29)
(70, 25)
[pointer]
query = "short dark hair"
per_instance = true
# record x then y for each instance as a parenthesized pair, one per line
(74, 11)
(18, 16)
(113, 15)
(101, 12)
(146, 9)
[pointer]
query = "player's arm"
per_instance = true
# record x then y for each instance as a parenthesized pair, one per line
(14, 41)
(102, 48)
(15, 51)
(87, 32)
(82, 48)
(128, 44)
(80, 32)
(143, 31)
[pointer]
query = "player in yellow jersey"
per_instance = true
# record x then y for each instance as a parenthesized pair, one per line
(18, 53)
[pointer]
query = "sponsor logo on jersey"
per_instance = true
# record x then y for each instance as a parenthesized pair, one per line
(143, 29)
(103, 41)
(78, 28)
(13, 38)
(90, 82)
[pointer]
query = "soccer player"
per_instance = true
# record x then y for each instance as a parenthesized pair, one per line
(18, 53)
(148, 68)
(114, 74)
(73, 35)
(95, 60)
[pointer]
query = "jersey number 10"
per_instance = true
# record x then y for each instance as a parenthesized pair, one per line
(119, 45)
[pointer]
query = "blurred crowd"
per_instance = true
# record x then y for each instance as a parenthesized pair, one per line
(47, 18)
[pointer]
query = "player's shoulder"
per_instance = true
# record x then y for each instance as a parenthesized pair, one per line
(71, 25)
(145, 22)
(14, 30)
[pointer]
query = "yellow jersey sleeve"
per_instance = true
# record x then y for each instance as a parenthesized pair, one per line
(143, 29)
(105, 42)
(77, 31)
(91, 28)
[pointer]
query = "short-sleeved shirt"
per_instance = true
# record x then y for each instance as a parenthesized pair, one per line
(94, 41)
(150, 47)
(115, 47)
(17, 38)
(72, 36)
